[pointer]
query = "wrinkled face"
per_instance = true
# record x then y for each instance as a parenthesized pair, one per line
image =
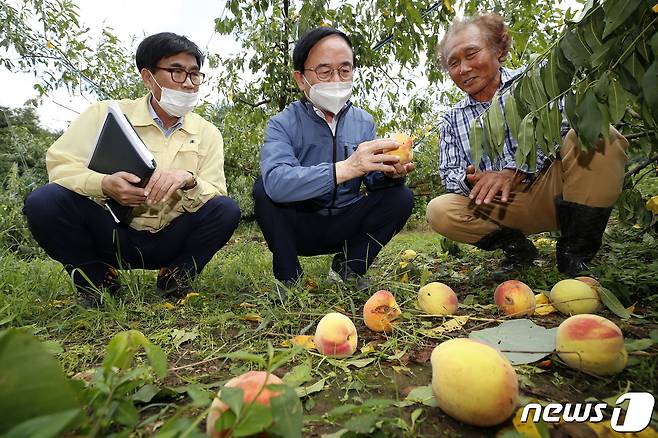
(472, 64)
(181, 61)
(331, 52)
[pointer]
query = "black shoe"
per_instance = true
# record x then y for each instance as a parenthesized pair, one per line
(279, 293)
(518, 251)
(582, 229)
(173, 283)
(91, 297)
(342, 273)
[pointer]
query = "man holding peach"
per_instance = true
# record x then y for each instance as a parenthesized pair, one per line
(316, 154)
(497, 205)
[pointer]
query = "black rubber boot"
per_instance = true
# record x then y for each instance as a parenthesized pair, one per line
(518, 251)
(582, 230)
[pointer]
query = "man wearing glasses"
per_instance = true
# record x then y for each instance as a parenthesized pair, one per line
(315, 156)
(183, 215)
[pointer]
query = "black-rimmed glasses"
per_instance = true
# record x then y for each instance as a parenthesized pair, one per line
(180, 75)
(325, 73)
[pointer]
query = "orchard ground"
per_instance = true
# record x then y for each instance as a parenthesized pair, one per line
(361, 393)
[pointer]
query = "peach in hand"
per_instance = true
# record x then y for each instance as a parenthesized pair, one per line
(335, 335)
(405, 151)
(380, 311)
(437, 299)
(252, 384)
(514, 299)
(591, 343)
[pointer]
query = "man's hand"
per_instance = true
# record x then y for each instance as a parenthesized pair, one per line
(486, 185)
(368, 157)
(164, 182)
(119, 186)
(401, 170)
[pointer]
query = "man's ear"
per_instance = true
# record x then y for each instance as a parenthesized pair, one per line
(299, 78)
(146, 77)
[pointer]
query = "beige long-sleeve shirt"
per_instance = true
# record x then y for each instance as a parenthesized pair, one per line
(196, 146)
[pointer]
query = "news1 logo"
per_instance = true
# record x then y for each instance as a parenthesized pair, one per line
(638, 414)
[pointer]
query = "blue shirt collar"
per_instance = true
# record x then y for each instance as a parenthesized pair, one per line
(158, 121)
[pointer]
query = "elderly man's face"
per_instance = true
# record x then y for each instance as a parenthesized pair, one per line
(332, 53)
(472, 64)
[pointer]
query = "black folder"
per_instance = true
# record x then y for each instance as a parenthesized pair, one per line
(119, 148)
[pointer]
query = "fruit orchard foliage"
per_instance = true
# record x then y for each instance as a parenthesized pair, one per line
(256, 82)
(604, 68)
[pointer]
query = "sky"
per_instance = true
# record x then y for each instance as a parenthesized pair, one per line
(193, 18)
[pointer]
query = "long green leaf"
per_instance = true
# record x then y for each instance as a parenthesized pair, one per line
(475, 142)
(589, 120)
(549, 75)
(512, 114)
(617, 101)
(612, 303)
(617, 12)
(45, 426)
(32, 381)
(526, 138)
(496, 123)
(649, 85)
(574, 49)
(287, 413)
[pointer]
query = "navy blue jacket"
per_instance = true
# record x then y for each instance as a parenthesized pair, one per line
(297, 159)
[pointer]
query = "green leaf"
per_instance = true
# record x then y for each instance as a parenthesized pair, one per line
(520, 340)
(554, 128)
(617, 12)
(634, 66)
(475, 141)
(526, 138)
(45, 426)
(649, 85)
(256, 418)
(299, 374)
(496, 123)
(233, 397)
(653, 335)
(247, 357)
(318, 386)
(157, 358)
(612, 302)
(33, 384)
(574, 49)
(126, 413)
(617, 101)
(225, 421)
(423, 395)
(637, 344)
(362, 423)
(512, 114)
(121, 350)
(654, 44)
(590, 120)
(287, 413)
(549, 75)
(360, 363)
(146, 393)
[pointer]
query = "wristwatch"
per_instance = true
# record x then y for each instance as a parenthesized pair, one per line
(194, 182)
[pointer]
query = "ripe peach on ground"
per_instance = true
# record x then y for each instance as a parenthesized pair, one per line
(573, 297)
(591, 343)
(405, 151)
(437, 299)
(251, 383)
(380, 311)
(473, 382)
(514, 299)
(335, 335)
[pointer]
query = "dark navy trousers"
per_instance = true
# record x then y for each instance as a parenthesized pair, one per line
(360, 231)
(82, 235)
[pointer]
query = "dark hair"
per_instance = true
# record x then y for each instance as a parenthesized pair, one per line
(492, 26)
(162, 45)
(310, 39)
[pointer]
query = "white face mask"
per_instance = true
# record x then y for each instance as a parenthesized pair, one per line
(330, 96)
(176, 103)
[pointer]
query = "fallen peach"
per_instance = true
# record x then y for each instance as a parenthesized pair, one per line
(335, 335)
(514, 299)
(252, 384)
(572, 297)
(437, 299)
(473, 382)
(591, 343)
(380, 311)
(408, 255)
(588, 280)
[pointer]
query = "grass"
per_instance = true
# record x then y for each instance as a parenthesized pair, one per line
(233, 314)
